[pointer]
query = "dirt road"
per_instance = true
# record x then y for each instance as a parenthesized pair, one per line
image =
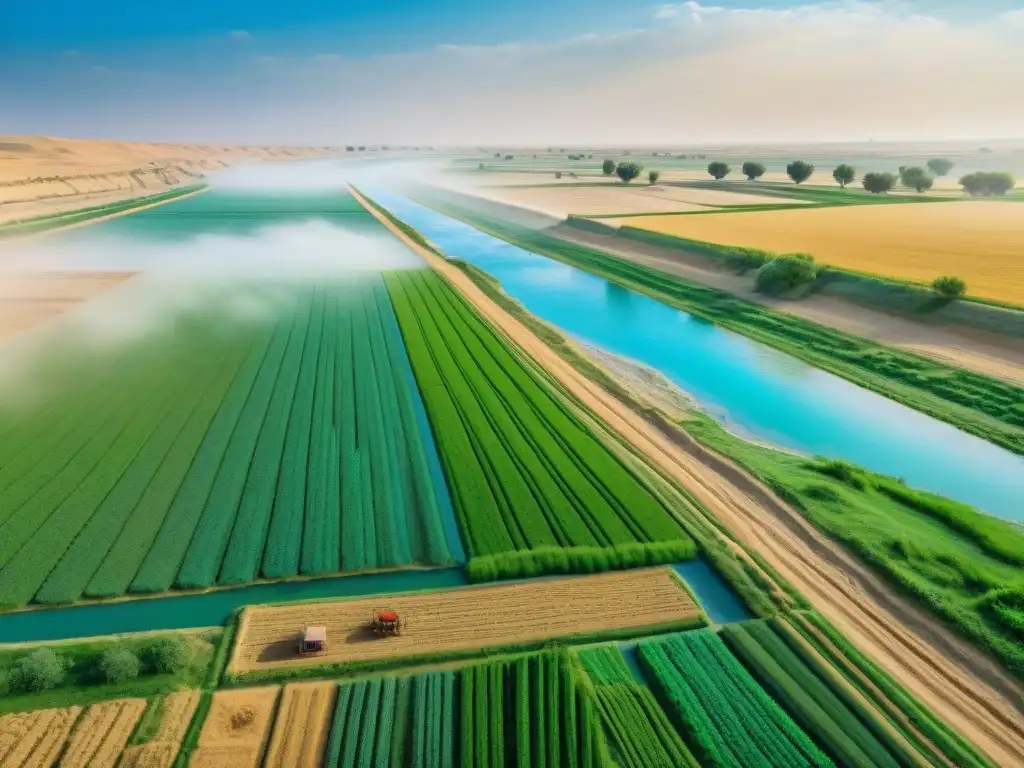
(959, 683)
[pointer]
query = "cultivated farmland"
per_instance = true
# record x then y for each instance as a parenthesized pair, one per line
(101, 734)
(466, 619)
(535, 491)
(290, 444)
(980, 242)
(177, 711)
(34, 739)
(301, 726)
(237, 728)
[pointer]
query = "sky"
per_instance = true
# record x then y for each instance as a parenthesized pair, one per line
(508, 72)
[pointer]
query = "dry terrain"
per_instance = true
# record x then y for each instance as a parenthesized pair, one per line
(302, 726)
(28, 299)
(100, 736)
(958, 682)
(462, 619)
(979, 241)
(236, 729)
(34, 739)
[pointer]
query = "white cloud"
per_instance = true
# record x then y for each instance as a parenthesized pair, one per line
(240, 35)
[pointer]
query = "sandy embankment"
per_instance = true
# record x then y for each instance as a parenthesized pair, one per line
(958, 682)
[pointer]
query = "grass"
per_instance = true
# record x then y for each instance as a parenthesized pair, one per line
(83, 683)
(984, 406)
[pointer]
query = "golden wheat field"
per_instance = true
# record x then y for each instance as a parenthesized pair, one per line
(236, 729)
(178, 709)
(34, 739)
(473, 617)
(302, 725)
(100, 737)
(979, 241)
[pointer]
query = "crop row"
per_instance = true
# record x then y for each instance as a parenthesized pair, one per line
(726, 718)
(224, 450)
(535, 491)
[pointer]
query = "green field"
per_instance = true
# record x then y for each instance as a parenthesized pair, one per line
(535, 492)
(220, 451)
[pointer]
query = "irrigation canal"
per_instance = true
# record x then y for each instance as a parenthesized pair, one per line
(209, 609)
(753, 389)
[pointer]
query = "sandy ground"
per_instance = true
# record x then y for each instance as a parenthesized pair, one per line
(302, 726)
(462, 619)
(988, 353)
(957, 681)
(979, 241)
(41, 175)
(31, 299)
(236, 729)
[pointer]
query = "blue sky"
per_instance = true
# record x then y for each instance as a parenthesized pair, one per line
(265, 71)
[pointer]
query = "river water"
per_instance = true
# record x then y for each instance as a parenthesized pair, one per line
(754, 390)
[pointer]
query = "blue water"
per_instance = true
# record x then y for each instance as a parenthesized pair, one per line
(715, 596)
(751, 388)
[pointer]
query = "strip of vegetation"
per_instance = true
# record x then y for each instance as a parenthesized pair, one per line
(55, 220)
(191, 738)
(981, 405)
(61, 675)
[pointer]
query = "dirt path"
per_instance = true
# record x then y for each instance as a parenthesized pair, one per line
(997, 356)
(958, 682)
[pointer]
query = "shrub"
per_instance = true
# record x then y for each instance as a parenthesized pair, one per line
(949, 286)
(916, 178)
(785, 274)
(878, 183)
(844, 174)
(608, 167)
(41, 670)
(169, 655)
(753, 170)
(653, 176)
(799, 171)
(842, 471)
(719, 170)
(628, 171)
(558, 174)
(940, 166)
(119, 664)
(987, 183)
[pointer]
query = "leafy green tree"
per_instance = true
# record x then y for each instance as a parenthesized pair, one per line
(608, 167)
(752, 170)
(628, 171)
(653, 176)
(350, 149)
(119, 664)
(719, 170)
(169, 655)
(988, 183)
(844, 174)
(916, 178)
(799, 171)
(785, 274)
(878, 183)
(949, 286)
(41, 670)
(940, 166)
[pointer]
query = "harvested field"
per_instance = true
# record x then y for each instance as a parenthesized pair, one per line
(978, 241)
(178, 710)
(463, 619)
(302, 725)
(102, 733)
(155, 754)
(236, 729)
(34, 739)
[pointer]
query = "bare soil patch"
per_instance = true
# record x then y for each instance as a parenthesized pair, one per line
(462, 619)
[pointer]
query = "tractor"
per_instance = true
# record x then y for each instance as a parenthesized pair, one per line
(386, 623)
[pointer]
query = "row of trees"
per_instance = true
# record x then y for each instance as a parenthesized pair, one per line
(785, 274)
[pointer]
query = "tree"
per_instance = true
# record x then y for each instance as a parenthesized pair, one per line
(510, 157)
(949, 286)
(878, 183)
(119, 664)
(785, 273)
(558, 174)
(653, 176)
(350, 149)
(753, 170)
(608, 167)
(799, 171)
(916, 178)
(362, 149)
(987, 183)
(628, 171)
(41, 670)
(844, 174)
(169, 655)
(719, 170)
(940, 166)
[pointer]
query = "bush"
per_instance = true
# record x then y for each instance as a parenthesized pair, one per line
(785, 274)
(949, 286)
(940, 166)
(844, 174)
(653, 176)
(119, 664)
(987, 183)
(753, 170)
(842, 471)
(799, 171)
(169, 655)
(41, 670)
(558, 174)
(916, 178)
(719, 170)
(878, 183)
(628, 171)
(608, 167)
